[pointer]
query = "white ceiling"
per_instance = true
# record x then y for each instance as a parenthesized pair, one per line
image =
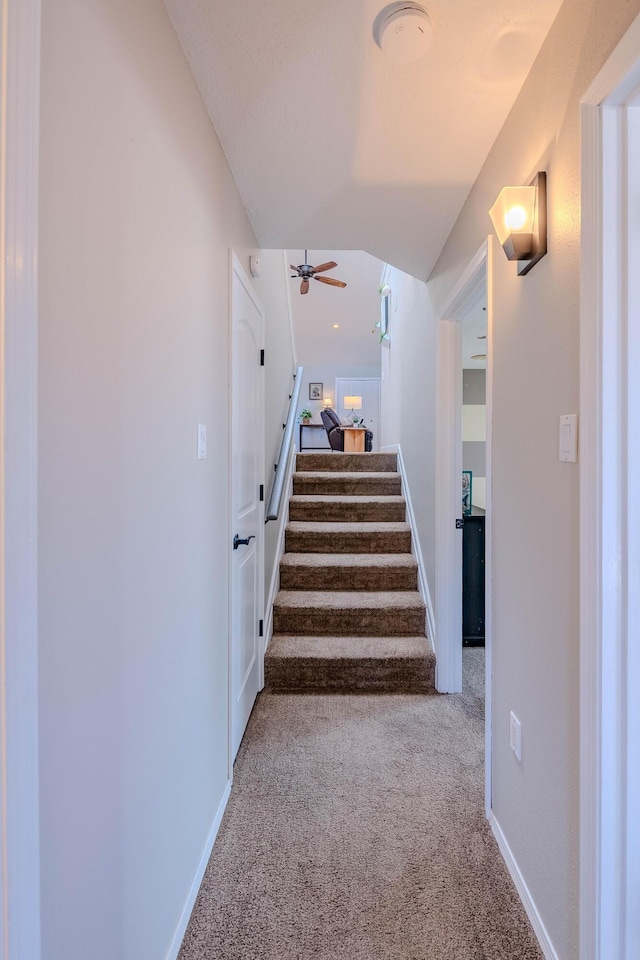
(332, 144)
(356, 308)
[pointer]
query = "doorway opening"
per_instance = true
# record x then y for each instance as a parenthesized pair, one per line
(463, 316)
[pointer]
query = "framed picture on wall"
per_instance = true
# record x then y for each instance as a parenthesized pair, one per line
(315, 391)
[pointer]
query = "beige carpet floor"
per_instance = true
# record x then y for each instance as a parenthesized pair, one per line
(355, 831)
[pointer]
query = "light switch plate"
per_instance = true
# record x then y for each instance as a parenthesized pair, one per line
(202, 441)
(568, 441)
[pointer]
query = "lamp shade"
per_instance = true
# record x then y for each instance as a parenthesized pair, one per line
(512, 216)
(353, 403)
(328, 402)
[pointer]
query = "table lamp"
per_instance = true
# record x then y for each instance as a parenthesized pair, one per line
(352, 403)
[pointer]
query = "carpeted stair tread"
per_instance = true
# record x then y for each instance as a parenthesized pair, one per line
(349, 600)
(347, 462)
(348, 616)
(350, 509)
(342, 664)
(343, 537)
(348, 571)
(317, 482)
(345, 561)
(336, 648)
(349, 613)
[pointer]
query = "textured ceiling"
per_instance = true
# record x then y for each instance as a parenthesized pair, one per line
(333, 145)
(356, 308)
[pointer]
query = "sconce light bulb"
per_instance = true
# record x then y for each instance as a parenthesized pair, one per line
(515, 218)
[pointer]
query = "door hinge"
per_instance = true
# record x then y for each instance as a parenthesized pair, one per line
(459, 523)
(262, 358)
(261, 492)
(260, 628)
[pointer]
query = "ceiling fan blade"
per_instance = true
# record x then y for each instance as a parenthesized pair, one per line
(295, 269)
(304, 286)
(330, 280)
(324, 266)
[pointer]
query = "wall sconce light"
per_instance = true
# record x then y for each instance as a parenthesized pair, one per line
(519, 217)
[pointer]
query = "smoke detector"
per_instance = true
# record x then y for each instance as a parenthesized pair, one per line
(403, 31)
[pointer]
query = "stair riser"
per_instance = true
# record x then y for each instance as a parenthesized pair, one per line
(349, 462)
(367, 487)
(348, 578)
(348, 512)
(345, 676)
(322, 622)
(348, 542)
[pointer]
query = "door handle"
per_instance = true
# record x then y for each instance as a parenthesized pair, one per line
(238, 541)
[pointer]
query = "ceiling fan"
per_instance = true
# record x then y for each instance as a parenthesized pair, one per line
(307, 272)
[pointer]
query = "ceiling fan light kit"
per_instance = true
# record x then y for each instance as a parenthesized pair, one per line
(403, 31)
(306, 272)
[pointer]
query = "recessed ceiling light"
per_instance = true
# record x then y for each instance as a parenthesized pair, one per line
(336, 326)
(479, 356)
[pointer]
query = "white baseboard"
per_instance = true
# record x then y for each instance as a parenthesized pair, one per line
(423, 583)
(176, 942)
(274, 586)
(523, 891)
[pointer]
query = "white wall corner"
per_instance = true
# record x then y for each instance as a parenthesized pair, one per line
(524, 893)
(19, 771)
(183, 922)
(292, 330)
(416, 549)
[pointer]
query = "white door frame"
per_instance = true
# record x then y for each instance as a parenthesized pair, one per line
(609, 615)
(449, 492)
(235, 268)
(19, 809)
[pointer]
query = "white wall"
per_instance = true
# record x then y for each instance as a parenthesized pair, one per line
(138, 210)
(535, 497)
(326, 374)
(409, 400)
(280, 366)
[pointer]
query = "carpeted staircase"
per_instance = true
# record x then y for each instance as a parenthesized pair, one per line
(348, 616)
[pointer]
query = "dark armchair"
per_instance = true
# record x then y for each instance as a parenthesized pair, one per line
(335, 433)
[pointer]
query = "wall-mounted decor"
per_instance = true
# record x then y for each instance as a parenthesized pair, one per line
(316, 391)
(467, 480)
(385, 313)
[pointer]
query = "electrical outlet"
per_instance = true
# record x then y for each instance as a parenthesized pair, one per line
(515, 735)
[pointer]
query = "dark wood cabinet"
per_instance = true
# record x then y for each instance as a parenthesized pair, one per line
(473, 581)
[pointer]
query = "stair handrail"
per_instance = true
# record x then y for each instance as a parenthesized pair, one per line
(275, 500)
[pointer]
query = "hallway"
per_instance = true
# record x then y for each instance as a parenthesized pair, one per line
(356, 829)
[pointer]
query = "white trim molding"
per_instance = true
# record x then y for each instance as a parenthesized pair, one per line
(475, 280)
(19, 809)
(183, 922)
(524, 893)
(470, 286)
(609, 396)
(416, 549)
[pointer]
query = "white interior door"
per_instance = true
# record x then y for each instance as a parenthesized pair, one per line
(247, 507)
(369, 390)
